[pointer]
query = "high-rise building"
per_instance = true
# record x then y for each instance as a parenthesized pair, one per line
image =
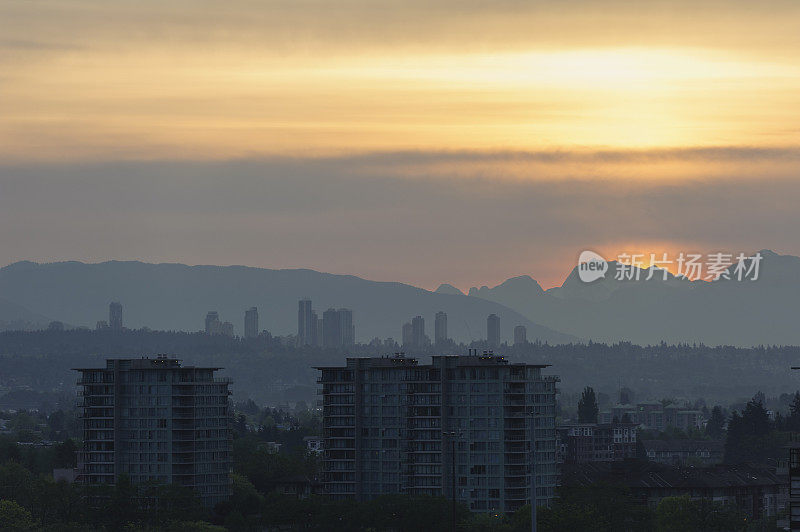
(520, 335)
(347, 329)
(337, 328)
(212, 322)
(313, 325)
(408, 334)
(153, 419)
(226, 329)
(331, 328)
(251, 323)
(115, 316)
(493, 330)
(418, 331)
(320, 333)
(440, 328)
(391, 425)
(305, 323)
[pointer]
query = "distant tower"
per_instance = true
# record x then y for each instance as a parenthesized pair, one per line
(226, 329)
(493, 330)
(305, 326)
(115, 316)
(331, 328)
(251, 323)
(212, 322)
(440, 328)
(320, 332)
(418, 331)
(408, 334)
(346, 328)
(520, 335)
(315, 328)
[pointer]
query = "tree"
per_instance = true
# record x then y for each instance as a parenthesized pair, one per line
(676, 514)
(17, 483)
(716, 424)
(596, 507)
(15, 517)
(734, 439)
(587, 406)
(755, 419)
(793, 420)
(682, 514)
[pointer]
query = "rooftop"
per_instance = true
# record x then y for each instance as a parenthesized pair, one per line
(159, 362)
(679, 445)
(639, 474)
(400, 360)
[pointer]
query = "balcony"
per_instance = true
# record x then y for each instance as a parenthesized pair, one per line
(518, 494)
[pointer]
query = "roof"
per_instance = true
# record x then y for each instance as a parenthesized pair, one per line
(145, 362)
(679, 445)
(402, 361)
(637, 474)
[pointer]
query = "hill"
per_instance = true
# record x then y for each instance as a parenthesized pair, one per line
(16, 317)
(177, 297)
(675, 310)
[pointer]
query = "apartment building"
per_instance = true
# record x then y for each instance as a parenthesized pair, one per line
(156, 420)
(460, 424)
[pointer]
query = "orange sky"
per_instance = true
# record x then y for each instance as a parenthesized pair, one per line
(93, 80)
(88, 82)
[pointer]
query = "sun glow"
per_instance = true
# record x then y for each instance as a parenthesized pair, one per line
(182, 103)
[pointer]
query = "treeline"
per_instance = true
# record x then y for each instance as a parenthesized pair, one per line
(270, 372)
(596, 508)
(752, 436)
(31, 502)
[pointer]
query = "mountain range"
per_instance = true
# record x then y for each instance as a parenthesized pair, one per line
(675, 310)
(177, 297)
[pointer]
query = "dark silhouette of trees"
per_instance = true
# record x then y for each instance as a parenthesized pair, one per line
(715, 428)
(752, 437)
(793, 419)
(587, 406)
(682, 514)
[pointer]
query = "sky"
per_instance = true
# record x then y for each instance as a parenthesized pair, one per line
(461, 142)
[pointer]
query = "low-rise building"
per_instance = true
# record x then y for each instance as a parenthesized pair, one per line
(581, 443)
(682, 452)
(756, 491)
(652, 415)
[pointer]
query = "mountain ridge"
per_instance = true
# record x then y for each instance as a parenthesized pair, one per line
(720, 312)
(175, 296)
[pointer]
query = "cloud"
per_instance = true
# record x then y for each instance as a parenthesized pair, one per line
(300, 26)
(364, 215)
